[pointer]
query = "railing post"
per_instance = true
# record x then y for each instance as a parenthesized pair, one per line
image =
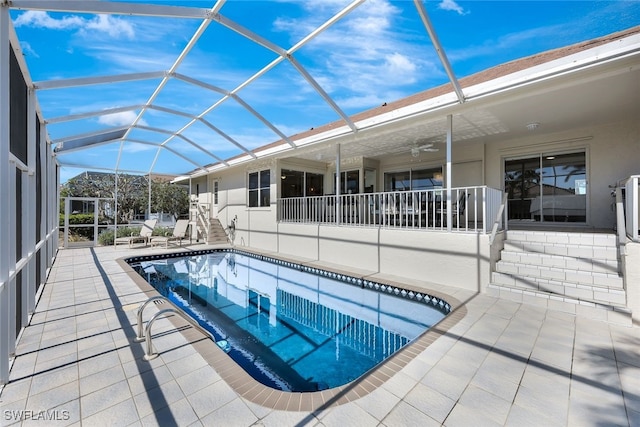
(632, 208)
(620, 224)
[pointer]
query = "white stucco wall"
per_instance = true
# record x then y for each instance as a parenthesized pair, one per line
(456, 259)
(612, 154)
(461, 260)
(631, 272)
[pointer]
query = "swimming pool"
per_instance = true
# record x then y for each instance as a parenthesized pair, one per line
(291, 326)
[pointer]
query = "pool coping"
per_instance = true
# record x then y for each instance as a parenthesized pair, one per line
(254, 391)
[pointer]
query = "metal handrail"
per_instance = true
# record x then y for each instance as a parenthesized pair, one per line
(496, 223)
(139, 333)
(149, 353)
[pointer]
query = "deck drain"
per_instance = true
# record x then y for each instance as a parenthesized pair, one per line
(158, 302)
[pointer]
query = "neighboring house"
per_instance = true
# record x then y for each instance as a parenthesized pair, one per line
(556, 132)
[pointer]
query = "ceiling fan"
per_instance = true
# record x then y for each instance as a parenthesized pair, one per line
(429, 147)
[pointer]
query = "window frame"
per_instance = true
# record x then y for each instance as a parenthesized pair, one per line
(259, 194)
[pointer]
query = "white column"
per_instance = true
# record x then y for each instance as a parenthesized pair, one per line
(44, 203)
(55, 195)
(115, 202)
(5, 239)
(338, 187)
(29, 213)
(448, 175)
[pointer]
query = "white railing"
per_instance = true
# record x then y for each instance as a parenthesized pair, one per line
(632, 207)
(199, 218)
(473, 209)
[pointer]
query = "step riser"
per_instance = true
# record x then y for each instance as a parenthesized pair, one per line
(582, 277)
(572, 272)
(557, 261)
(579, 239)
(593, 252)
(564, 304)
(603, 295)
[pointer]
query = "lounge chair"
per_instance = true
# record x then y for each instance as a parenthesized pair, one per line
(179, 233)
(145, 234)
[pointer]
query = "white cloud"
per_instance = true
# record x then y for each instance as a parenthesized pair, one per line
(28, 50)
(123, 118)
(40, 19)
(102, 24)
(114, 27)
(368, 51)
(451, 5)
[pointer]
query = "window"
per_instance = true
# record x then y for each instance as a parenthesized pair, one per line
(547, 187)
(349, 182)
(301, 184)
(260, 188)
(422, 179)
(215, 192)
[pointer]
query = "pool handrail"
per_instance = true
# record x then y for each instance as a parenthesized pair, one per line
(149, 354)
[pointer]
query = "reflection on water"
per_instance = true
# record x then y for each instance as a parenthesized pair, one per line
(288, 328)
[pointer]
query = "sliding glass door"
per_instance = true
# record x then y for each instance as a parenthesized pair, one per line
(547, 187)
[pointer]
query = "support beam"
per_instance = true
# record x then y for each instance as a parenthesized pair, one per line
(338, 186)
(322, 93)
(111, 8)
(29, 201)
(88, 114)
(5, 206)
(89, 81)
(192, 42)
(422, 11)
(448, 175)
(161, 147)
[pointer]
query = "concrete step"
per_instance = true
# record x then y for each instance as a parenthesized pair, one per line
(597, 252)
(610, 266)
(610, 313)
(569, 238)
(591, 293)
(573, 272)
(582, 276)
(216, 233)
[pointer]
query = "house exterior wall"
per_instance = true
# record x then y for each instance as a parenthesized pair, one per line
(457, 259)
(631, 273)
(611, 152)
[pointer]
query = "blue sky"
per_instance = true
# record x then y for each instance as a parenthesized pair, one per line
(378, 53)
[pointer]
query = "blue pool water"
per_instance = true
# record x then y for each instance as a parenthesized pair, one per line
(292, 327)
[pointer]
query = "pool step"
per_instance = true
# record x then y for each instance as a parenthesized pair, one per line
(577, 273)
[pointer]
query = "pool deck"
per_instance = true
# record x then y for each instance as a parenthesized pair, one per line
(499, 363)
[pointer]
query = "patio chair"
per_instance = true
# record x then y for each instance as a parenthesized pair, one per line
(179, 233)
(457, 210)
(145, 234)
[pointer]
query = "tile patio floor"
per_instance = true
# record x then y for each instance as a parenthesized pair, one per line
(503, 363)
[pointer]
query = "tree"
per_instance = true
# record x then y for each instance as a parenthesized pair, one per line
(169, 198)
(133, 194)
(133, 191)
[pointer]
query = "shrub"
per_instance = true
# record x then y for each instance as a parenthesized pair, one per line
(106, 237)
